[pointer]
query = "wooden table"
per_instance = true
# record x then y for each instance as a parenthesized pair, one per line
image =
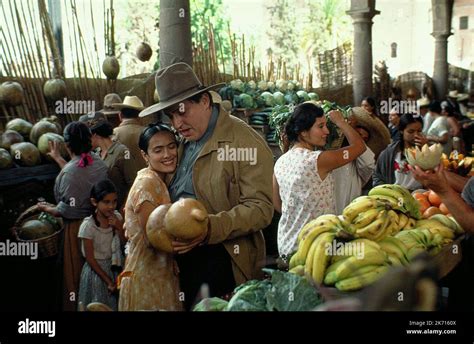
(449, 257)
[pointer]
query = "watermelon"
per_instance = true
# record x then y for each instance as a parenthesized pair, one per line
(25, 153)
(6, 160)
(40, 128)
(35, 229)
(9, 138)
(43, 144)
(21, 126)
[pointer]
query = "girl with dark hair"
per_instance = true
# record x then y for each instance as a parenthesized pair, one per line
(101, 234)
(72, 192)
(392, 167)
(122, 164)
(303, 186)
(150, 279)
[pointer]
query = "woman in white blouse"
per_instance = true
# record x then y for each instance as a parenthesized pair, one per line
(303, 186)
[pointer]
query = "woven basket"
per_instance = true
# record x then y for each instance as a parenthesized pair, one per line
(47, 246)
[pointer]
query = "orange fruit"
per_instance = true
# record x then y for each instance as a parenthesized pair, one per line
(426, 193)
(430, 212)
(424, 205)
(434, 199)
(444, 209)
(419, 196)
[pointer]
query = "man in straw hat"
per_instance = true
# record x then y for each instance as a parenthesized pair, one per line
(351, 178)
(378, 134)
(130, 128)
(236, 189)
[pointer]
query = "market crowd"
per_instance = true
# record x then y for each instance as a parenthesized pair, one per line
(116, 177)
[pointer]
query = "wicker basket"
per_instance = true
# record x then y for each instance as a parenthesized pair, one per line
(47, 246)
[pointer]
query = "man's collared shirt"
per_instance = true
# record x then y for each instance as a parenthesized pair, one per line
(182, 184)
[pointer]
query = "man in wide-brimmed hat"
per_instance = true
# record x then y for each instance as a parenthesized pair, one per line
(130, 128)
(350, 179)
(379, 135)
(235, 188)
(108, 110)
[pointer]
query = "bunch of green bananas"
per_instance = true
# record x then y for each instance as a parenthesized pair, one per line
(399, 199)
(429, 235)
(396, 250)
(356, 271)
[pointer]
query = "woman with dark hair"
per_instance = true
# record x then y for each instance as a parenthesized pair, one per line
(72, 191)
(369, 105)
(122, 164)
(303, 186)
(455, 130)
(150, 279)
(392, 167)
(438, 131)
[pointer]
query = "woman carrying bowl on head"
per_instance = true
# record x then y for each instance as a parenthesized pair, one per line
(303, 185)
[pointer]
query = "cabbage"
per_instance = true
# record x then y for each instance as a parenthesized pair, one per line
(313, 96)
(291, 98)
(291, 86)
(246, 101)
(252, 85)
(279, 98)
(282, 85)
(271, 86)
(237, 85)
(262, 85)
(268, 99)
(213, 304)
(302, 96)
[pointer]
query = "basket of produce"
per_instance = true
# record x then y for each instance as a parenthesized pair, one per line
(35, 226)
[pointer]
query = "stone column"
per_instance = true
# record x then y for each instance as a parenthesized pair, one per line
(442, 10)
(175, 32)
(362, 12)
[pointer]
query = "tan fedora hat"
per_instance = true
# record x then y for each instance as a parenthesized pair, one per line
(379, 133)
(110, 99)
(175, 84)
(130, 102)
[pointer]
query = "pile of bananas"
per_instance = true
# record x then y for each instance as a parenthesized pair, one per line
(430, 235)
(387, 210)
(384, 229)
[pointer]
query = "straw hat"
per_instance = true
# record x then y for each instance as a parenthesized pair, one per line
(110, 99)
(422, 102)
(130, 102)
(379, 133)
(462, 97)
(453, 94)
(175, 84)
